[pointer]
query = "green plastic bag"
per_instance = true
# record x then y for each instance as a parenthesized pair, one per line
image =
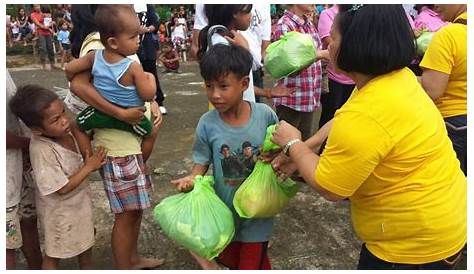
(261, 195)
(423, 41)
(293, 52)
(197, 220)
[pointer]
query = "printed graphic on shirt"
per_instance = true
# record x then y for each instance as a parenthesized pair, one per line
(238, 164)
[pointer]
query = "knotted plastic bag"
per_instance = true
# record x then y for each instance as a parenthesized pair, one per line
(197, 220)
(261, 195)
(423, 41)
(293, 52)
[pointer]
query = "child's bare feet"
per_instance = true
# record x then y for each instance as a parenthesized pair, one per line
(147, 263)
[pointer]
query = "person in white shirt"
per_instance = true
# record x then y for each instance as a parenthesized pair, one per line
(258, 38)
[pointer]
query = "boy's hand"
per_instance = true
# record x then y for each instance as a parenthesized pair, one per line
(96, 160)
(184, 184)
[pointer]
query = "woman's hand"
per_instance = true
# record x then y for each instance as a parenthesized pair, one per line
(238, 39)
(268, 157)
(284, 133)
(283, 166)
(131, 115)
(156, 114)
(281, 91)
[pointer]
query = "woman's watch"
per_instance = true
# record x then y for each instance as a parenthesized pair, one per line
(286, 148)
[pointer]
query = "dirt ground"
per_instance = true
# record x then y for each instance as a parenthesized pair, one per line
(311, 233)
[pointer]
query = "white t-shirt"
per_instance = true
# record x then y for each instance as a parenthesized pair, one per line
(178, 32)
(249, 94)
(259, 29)
(200, 19)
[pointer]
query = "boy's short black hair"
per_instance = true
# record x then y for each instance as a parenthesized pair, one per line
(221, 59)
(375, 39)
(107, 19)
(30, 102)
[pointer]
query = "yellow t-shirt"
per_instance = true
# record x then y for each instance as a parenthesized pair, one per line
(447, 53)
(118, 143)
(389, 151)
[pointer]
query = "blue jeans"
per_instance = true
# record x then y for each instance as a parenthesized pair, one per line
(368, 261)
(457, 132)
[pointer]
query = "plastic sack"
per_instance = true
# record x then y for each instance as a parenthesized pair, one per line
(423, 41)
(261, 195)
(197, 220)
(293, 52)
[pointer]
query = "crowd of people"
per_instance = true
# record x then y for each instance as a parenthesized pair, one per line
(391, 139)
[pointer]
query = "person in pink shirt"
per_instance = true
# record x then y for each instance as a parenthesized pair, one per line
(428, 19)
(340, 86)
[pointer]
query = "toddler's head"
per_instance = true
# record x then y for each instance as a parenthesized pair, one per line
(119, 28)
(41, 110)
(64, 25)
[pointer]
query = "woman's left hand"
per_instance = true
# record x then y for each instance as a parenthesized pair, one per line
(284, 133)
(238, 39)
(156, 113)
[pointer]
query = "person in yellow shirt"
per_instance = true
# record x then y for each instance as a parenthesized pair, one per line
(388, 150)
(444, 75)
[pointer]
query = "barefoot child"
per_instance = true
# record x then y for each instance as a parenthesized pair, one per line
(126, 182)
(233, 122)
(169, 58)
(63, 195)
(64, 42)
(118, 78)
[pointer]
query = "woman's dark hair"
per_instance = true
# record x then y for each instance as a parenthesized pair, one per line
(45, 9)
(219, 15)
(82, 17)
(418, 7)
(220, 60)
(22, 17)
(375, 39)
(29, 103)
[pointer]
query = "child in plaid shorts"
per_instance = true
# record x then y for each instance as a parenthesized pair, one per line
(124, 174)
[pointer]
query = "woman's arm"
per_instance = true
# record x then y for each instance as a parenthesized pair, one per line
(305, 159)
(434, 82)
(82, 87)
(317, 139)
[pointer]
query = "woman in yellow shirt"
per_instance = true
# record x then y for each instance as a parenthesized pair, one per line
(387, 150)
(444, 75)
